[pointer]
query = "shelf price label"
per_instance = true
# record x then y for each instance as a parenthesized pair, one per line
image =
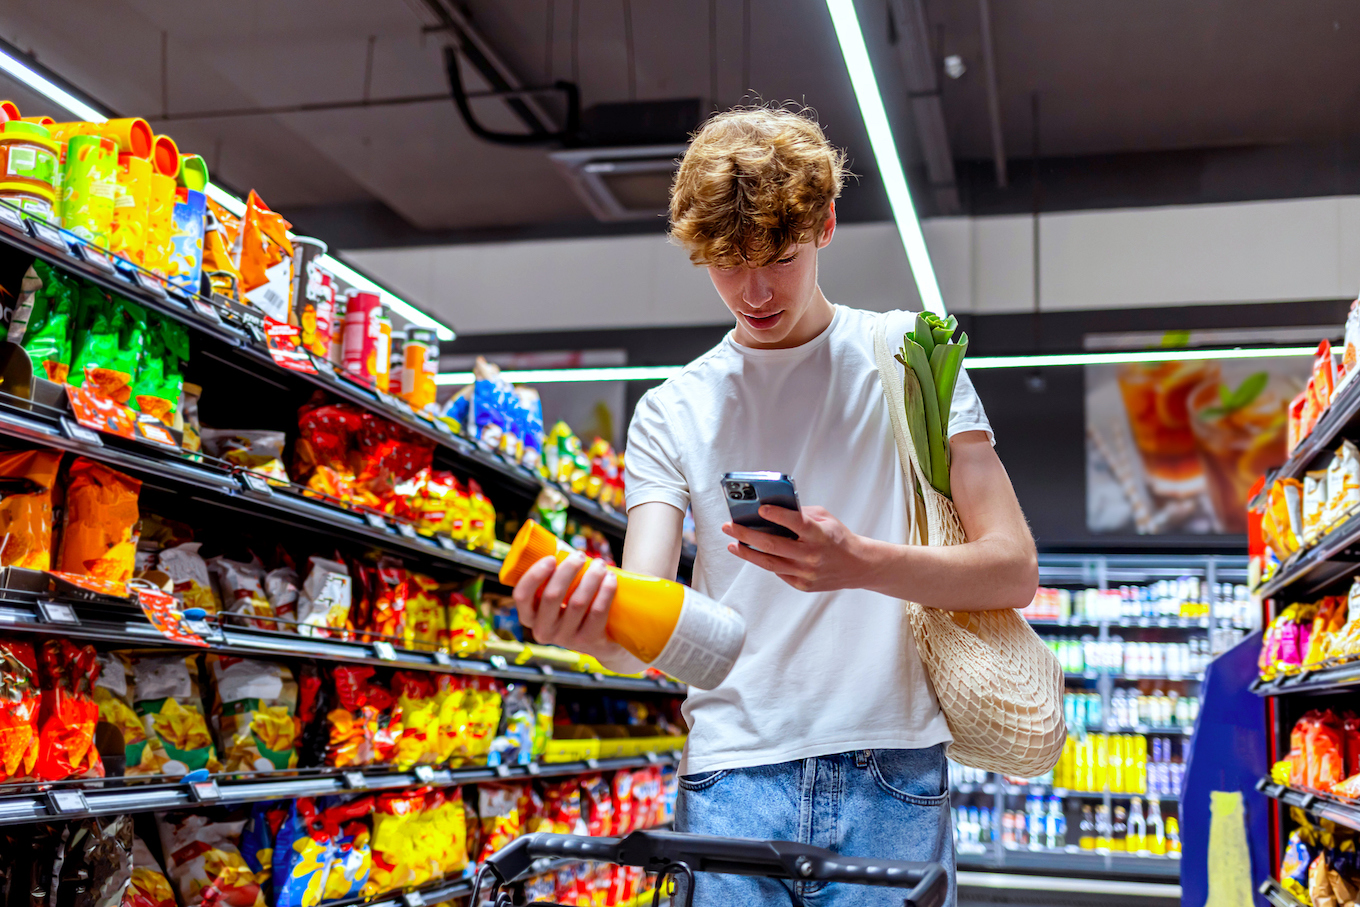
(376, 521)
(383, 651)
(354, 780)
(205, 791)
(96, 258)
(150, 284)
(442, 658)
(424, 773)
(446, 543)
(51, 612)
(502, 771)
(67, 803)
(413, 899)
(78, 432)
(406, 530)
(10, 218)
(42, 231)
(256, 483)
(498, 662)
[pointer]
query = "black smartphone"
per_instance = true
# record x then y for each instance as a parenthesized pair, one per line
(746, 491)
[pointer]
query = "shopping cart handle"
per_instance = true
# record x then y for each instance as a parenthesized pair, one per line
(661, 851)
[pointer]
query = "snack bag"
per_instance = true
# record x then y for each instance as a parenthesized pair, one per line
(544, 706)
(205, 862)
(621, 799)
(101, 514)
(159, 382)
(325, 600)
(189, 574)
(305, 850)
(193, 441)
(114, 693)
(448, 831)
(465, 634)
(1314, 504)
(68, 714)
(26, 480)
(385, 616)
(108, 341)
(1323, 381)
(255, 706)
(597, 805)
(220, 227)
(19, 702)
(477, 716)
(498, 805)
(562, 807)
(420, 713)
(396, 843)
(263, 254)
(149, 886)
(257, 840)
(514, 746)
(1343, 483)
(168, 700)
(482, 531)
(50, 327)
(259, 451)
(281, 586)
(242, 588)
(425, 614)
(95, 866)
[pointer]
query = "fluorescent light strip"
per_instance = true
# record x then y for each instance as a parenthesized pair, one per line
(662, 372)
(875, 116)
(21, 72)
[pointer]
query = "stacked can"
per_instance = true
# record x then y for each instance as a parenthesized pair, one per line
(367, 347)
(419, 364)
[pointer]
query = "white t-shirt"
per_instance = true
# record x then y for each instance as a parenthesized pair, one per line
(821, 672)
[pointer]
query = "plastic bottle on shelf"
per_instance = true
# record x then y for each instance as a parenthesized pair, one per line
(1137, 840)
(1119, 830)
(1008, 829)
(1034, 822)
(1095, 710)
(1139, 764)
(1173, 838)
(984, 821)
(1114, 767)
(1156, 833)
(1086, 830)
(1103, 842)
(1102, 761)
(1056, 824)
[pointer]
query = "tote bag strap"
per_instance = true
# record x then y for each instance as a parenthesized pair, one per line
(891, 379)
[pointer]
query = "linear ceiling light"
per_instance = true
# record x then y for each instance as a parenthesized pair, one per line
(875, 116)
(662, 372)
(44, 86)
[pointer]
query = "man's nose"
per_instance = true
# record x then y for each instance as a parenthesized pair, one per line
(756, 290)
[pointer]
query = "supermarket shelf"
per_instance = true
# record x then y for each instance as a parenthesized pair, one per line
(1342, 413)
(172, 470)
(1118, 676)
(116, 622)
(1276, 893)
(1324, 806)
(1331, 559)
(1075, 862)
(1044, 790)
(1310, 680)
(1154, 623)
(190, 311)
(111, 797)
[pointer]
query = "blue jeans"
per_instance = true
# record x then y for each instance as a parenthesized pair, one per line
(891, 804)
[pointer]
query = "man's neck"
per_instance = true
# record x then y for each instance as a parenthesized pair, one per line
(816, 318)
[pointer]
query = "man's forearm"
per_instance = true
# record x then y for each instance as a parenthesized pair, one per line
(985, 575)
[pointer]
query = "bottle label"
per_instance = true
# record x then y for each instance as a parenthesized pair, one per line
(705, 643)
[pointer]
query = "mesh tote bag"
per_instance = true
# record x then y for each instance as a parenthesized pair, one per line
(1000, 688)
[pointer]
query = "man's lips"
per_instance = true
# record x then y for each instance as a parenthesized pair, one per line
(763, 323)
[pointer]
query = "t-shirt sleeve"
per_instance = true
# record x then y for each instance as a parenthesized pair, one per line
(651, 460)
(967, 413)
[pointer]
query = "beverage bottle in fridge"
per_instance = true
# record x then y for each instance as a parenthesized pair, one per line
(1156, 833)
(1102, 766)
(1094, 711)
(1086, 830)
(1173, 838)
(1008, 828)
(1119, 830)
(985, 825)
(1114, 770)
(1034, 822)
(1137, 827)
(1055, 824)
(1102, 829)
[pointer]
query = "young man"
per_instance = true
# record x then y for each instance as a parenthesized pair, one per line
(827, 731)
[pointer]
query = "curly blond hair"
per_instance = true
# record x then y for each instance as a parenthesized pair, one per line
(754, 182)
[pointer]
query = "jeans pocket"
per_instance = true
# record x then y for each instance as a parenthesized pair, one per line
(703, 780)
(919, 777)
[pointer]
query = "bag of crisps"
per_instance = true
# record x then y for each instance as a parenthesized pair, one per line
(396, 843)
(204, 860)
(499, 808)
(26, 481)
(68, 714)
(149, 886)
(137, 752)
(420, 711)
(19, 701)
(168, 699)
(255, 705)
(425, 613)
(188, 571)
(242, 589)
(350, 863)
(101, 515)
(263, 254)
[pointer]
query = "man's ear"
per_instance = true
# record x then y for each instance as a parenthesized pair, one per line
(828, 228)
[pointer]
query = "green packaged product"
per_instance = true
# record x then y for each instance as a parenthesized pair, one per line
(160, 369)
(47, 338)
(169, 701)
(109, 341)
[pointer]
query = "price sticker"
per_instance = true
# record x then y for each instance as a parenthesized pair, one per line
(256, 333)
(150, 284)
(406, 530)
(376, 521)
(413, 899)
(498, 662)
(209, 632)
(441, 426)
(10, 218)
(446, 543)
(383, 651)
(324, 366)
(533, 769)
(77, 432)
(205, 791)
(547, 670)
(354, 780)
(502, 771)
(45, 232)
(96, 258)
(67, 802)
(593, 764)
(256, 483)
(651, 757)
(390, 401)
(424, 773)
(205, 308)
(443, 659)
(57, 613)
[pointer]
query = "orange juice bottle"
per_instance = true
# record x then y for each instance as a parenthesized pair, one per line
(1101, 743)
(666, 624)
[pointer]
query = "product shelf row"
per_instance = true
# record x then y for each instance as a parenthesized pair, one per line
(76, 800)
(1044, 790)
(1324, 806)
(236, 333)
(119, 622)
(1158, 623)
(1119, 675)
(1332, 559)
(1310, 680)
(1074, 862)
(1341, 414)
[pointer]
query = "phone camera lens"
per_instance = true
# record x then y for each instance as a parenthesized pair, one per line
(734, 494)
(748, 493)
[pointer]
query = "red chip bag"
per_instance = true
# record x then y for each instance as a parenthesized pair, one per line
(1350, 729)
(597, 806)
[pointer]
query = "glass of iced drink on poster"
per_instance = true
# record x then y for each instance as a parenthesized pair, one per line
(1239, 434)
(1156, 398)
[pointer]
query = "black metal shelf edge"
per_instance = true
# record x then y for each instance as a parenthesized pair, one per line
(66, 801)
(1087, 863)
(1308, 564)
(1342, 410)
(277, 504)
(1274, 892)
(177, 307)
(1323, 806)
(20, 616)
(1310, 680)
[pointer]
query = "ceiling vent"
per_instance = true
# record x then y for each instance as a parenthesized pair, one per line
(622, 183)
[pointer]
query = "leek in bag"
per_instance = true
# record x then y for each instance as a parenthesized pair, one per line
(932, 362)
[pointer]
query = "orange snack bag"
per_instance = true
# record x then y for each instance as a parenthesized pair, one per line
(19, 700)
(26, 480)
(218, 239)
(101, 513)
(263, 254)
(1323, 382)
(69, 713)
